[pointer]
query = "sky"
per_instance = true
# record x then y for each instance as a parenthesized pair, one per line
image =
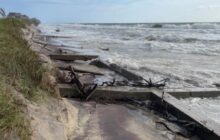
(116, 11)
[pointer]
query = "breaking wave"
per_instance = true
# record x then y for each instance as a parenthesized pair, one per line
(188, 54)
(193, 26)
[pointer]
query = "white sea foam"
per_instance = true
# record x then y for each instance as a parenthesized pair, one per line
(209, 107)
(193, 26)
(188, 54)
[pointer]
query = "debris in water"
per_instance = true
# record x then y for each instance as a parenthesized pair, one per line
(104, 49)
(57, 30)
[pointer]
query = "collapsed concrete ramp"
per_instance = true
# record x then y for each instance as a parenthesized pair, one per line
(122, 122)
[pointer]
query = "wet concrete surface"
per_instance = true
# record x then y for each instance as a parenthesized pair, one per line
(118, 122)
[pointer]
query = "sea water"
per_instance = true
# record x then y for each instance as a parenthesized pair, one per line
(208, 107)
(187, 53)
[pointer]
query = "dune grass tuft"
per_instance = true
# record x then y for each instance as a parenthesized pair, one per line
(19, 65)
(20, 70)
(13, 123)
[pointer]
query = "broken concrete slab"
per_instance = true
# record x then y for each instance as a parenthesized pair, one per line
(122, 71)
(84, 68)
(118, 122)
(108, 93)
(207, 129)
(202, 93)
(72, 57)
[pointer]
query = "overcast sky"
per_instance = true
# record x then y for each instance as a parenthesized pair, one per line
(63, 11)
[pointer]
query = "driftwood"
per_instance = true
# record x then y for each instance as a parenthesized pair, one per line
(73, 57)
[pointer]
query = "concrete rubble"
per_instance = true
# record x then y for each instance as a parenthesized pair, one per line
(75, 119)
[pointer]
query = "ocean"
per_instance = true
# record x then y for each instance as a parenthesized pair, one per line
(186, 53)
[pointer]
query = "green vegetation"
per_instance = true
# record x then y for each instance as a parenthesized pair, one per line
(23, 18)
(12, 120)
(19, 64)
(19, 70)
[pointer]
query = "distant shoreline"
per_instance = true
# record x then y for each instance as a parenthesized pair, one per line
(130, 23)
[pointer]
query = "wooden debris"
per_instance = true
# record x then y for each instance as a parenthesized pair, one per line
(72, 57)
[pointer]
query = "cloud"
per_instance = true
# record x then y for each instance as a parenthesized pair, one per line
(208, 6)
(117, 10)
(213, 6)
(201, 7)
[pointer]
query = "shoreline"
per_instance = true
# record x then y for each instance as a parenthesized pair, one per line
(84, 97)
(47, 49)
(100, 123)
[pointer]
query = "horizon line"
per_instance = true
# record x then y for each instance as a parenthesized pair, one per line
(131, 22)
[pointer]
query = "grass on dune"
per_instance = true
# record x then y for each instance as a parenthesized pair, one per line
(12, 120)
(19, 65)
(19, 69)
